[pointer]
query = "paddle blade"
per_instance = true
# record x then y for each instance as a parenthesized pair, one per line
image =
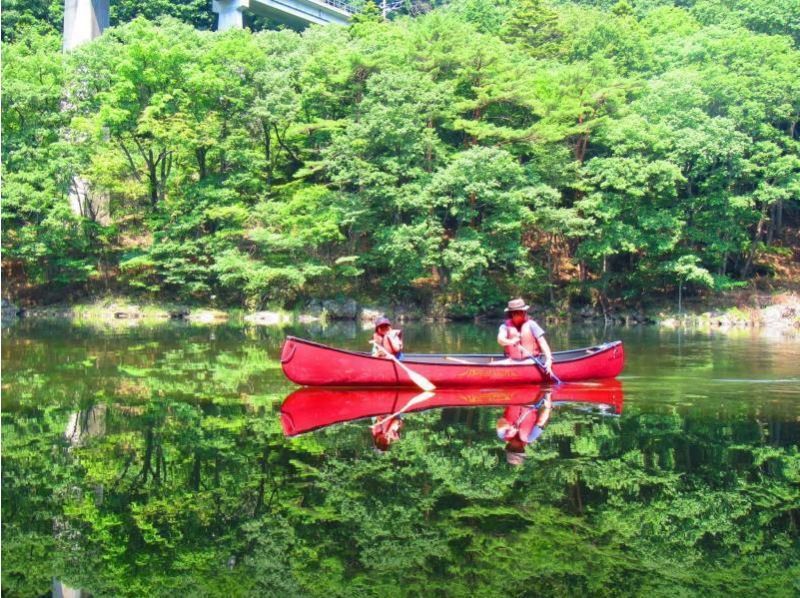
(420, 398)
(420, 380)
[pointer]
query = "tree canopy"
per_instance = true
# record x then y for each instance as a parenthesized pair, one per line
(566, 151)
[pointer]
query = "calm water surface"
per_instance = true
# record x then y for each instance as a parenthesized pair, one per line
(152, 461)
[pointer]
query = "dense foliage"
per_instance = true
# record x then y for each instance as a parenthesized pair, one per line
(591, 151)
(152, 463)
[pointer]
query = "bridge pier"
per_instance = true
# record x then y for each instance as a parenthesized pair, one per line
(229, 13)
(84, 20)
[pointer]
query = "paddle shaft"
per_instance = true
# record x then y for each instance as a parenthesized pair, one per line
(535, 409)
(539, 362)
(416, 377)
(423, 396)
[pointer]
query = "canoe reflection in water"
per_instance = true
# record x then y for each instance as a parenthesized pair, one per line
(310, 409)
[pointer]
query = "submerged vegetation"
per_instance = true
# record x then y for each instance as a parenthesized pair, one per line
(573, 152)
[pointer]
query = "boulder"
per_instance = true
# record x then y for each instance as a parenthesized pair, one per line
(406, 313)
(205, 316)
(9, 311)
(346, 309)
(264, 318)
(314, 307)
(370, 314)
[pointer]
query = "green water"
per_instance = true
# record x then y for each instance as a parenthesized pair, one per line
(151, 461)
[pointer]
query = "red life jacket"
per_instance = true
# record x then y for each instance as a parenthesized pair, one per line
(516, 415)
(530, 342)
(386, 344)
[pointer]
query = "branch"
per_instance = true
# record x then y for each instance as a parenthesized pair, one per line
(134, 170)
(284, 146)
(142, 151)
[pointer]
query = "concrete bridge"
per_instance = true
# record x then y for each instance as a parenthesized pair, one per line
(295, 13)
(85, 20)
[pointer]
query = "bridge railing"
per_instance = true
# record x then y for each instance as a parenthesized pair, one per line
(340, 4)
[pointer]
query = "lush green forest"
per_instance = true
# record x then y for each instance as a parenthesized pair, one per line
(570, 152)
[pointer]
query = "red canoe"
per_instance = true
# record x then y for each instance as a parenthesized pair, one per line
(312, 408)
(312, 364)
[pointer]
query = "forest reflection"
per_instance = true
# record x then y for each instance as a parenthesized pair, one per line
(153, 463)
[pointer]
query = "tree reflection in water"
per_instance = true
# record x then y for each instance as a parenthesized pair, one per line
(190, 486)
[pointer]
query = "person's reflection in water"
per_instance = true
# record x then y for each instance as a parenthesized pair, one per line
(386, 431)
(522, 425)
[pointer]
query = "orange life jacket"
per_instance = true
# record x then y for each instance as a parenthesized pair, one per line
(527, 340)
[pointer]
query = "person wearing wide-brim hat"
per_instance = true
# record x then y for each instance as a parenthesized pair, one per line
(520, 336)
(386, 340)
(522, 425)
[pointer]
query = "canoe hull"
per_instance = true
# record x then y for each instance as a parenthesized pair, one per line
(313, 364)
(309, 409)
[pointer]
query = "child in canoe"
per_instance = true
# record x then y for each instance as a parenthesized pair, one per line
(385, 431)
(387, 341)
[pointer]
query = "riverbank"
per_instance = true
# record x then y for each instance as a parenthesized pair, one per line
(121, 311)
(777, 312)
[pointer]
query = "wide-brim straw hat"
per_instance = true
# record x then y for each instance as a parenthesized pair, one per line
(515, 458)
(517, 305)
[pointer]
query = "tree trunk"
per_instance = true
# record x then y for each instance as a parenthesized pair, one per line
(195, 479)
(152, 175)
(200, 153)
(756, 238)
(148, 455)
(550, 270)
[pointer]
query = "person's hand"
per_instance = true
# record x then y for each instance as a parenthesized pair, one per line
(548, 365)
(379, 351)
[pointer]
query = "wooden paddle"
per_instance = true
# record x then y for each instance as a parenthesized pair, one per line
(416, 378)
(539, 362)
(421, 397)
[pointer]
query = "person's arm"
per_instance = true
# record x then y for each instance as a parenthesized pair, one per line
(548, 354)
(395, 341)
(541, 421)
(378, 351)
(538, 333)
(545, 415)
(506, 340)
